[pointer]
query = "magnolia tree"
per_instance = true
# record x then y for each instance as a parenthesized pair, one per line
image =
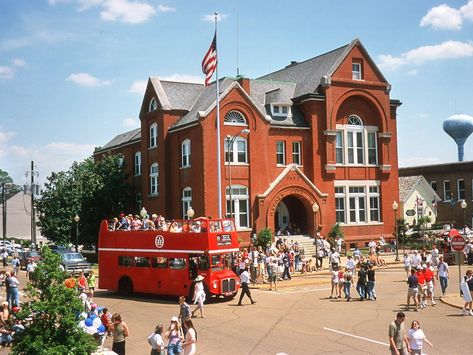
(53, 309)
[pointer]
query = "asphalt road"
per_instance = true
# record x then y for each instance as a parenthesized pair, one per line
(298, 320)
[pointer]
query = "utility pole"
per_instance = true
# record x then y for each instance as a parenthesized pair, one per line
(4, 212)
(33, 189)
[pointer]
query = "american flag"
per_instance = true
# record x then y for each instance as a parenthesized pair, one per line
(209, 63)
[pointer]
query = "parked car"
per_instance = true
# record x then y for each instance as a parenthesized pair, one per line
(28, 255)
(73, 262)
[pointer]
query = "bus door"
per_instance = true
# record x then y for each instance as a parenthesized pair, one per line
(178, 273)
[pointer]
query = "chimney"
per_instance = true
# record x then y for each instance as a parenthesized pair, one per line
(244, 83)
(293, 62)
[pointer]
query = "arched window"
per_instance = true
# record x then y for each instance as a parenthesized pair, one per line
(186, 153)
(153, 104)
(356, 144)
(238, 205)
(235, 118)
(153, 135)
(186, 201)
(154, 179)
(138, 163)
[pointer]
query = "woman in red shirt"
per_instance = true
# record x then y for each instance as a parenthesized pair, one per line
(81, 283)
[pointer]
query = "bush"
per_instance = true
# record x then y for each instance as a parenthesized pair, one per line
(334, 232)
(264, 238)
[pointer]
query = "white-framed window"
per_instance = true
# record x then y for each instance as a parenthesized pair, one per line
(339, 147)
(153, 104)
(138, 163)
(186, 201)
(447, 190)
(280, 110)
(238, 205)
(236, 152)
(186, 153)
(357, 202)
(235, 118)
(356, 144)
(461, 189)
(296, 153)
(153, 135)
(433, 185)
(356, 71)
(280, 153)
(154, 179)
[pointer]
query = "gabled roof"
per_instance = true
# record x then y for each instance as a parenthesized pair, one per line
(175, 95)
(122, 139)
(408, 184)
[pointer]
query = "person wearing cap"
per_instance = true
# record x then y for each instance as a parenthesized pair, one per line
(174, 337)
(199, 296)
(429, 281)
(422, 286)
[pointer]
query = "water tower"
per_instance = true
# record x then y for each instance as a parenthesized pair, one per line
(459, 127)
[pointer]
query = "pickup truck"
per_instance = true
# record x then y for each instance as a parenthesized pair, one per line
(73, 262)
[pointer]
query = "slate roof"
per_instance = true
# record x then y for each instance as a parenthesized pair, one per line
(179, 95)
(407, 185)
(121, 139)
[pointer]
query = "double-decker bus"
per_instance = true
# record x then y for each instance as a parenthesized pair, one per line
(166, 262)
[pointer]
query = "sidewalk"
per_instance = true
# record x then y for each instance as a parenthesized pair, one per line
(453, 299)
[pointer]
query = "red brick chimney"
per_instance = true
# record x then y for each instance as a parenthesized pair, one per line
(244, 83)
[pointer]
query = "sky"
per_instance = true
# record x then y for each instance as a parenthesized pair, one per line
(73, 72)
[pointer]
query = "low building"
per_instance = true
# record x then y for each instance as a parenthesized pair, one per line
(453, 182)
(303, 148)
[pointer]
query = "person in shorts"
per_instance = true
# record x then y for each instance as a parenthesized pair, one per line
(412, 290)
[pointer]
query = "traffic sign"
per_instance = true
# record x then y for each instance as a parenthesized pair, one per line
(458, 243)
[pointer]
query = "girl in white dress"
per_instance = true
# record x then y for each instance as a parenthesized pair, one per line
(199, 296)
(189, 345)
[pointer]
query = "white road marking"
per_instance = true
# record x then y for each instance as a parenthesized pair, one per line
(356, 336)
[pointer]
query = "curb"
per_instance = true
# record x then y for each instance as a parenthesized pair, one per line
(450, 303)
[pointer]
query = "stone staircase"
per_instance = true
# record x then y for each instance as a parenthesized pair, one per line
(305, 242)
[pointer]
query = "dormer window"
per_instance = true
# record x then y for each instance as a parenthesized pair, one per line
(153, 104)
(356, 71)
(280, 110)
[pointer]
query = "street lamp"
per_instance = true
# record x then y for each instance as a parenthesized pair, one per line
(77, 219)
(395, 206)
(463, 205)
(315, 209)
(190, 212)
(230, 141)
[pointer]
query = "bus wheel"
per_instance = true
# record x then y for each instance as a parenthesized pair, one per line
(125, 286)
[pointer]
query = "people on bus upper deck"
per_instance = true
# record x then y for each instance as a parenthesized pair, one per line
(136, 223)
(195, 226)
(176, 227)
(124, 222)
(116, 224)
(215, 226)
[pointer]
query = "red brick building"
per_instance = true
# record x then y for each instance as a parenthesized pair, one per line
(322, 131)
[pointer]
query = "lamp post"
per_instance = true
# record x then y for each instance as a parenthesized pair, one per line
(463, 205)
(190, 213)
(77, 219)
(143, 212)
(231, 140)
(315, 209)
(395, 206)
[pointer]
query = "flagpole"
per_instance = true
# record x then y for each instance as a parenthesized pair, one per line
(219, 168)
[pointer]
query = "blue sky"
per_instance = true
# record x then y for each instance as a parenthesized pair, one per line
(72, 72)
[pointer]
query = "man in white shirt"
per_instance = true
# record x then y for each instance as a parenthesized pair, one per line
(416, 260)
(245, 290)
(350, 264)
(334, 259)
(434, 256)
(442, 274)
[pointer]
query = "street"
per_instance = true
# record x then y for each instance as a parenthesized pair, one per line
(299, 320)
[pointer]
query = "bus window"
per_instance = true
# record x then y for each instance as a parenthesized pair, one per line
(215, 226)
(203, 262)
(126, 261)
(141, 261)
(195, 226)
(227, 225)
(160, 262)
(177, 263)
(217, 262)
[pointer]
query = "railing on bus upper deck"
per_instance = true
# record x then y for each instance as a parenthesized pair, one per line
(198, 225)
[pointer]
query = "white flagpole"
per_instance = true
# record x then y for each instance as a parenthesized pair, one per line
(219, 169)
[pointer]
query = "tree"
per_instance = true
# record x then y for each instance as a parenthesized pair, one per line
(54, 327)
(334, 232)
(264, 238)
(91, 190)
(402, 228)
(5, 178)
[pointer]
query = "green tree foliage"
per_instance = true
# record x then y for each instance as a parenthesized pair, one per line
(54, 311)
(93, 191)
(335, 231)
(5, 178)
(264, 238)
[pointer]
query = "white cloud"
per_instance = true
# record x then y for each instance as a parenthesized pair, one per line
(138, 87)
(442, 17)
(132, 12)
(467, 10)
(445, 50)
(130, 123)
(412, 72)
(5, 137)
(162, 8)
(8, 71)
(183, 78)
(211, 17)
(85, 79)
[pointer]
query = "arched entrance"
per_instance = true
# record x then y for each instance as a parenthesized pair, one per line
(291, 215)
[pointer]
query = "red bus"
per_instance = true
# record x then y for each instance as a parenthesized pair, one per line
(167, 262)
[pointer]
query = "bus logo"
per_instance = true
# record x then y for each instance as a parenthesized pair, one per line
(159, 241)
